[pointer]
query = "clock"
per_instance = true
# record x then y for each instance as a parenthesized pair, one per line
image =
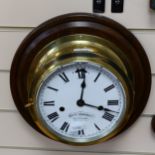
(65, 102)
(80, 79)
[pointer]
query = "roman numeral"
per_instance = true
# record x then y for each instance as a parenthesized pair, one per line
(64, 77)
(52, 88)
(81, 73)
(65, 126)
(81, 132)
(108, 116)
(97, 127)
(49, 103)
(112, 102)
(53, 117)
(98, 75)
(109, 88)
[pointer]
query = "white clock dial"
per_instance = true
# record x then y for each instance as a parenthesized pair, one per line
(81, 102)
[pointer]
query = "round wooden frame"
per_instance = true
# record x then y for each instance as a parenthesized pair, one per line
(75, 24)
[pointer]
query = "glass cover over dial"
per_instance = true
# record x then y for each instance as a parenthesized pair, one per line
(81, 102)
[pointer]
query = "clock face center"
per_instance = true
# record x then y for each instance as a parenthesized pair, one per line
(81, 101)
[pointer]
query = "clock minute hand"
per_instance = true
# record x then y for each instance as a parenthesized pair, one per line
(81, 74)
(83, 86)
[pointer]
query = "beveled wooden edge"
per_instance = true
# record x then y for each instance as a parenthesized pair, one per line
(80, 23)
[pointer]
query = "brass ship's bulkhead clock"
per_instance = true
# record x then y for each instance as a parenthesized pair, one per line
(80, 79)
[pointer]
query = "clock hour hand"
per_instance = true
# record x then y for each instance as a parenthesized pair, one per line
(81, 103)
(106, 109)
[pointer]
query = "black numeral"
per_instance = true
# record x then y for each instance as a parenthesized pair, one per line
(52, 88)
(109, 88)
(108, 116)
(98, 75)
(112, 102)
(53, 117)
(64, 77)
(81, 73)
(65, 126)
(49, 103)
(97, 127)
(81, 132)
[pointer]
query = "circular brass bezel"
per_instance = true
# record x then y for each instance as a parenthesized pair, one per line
(77, 48)
(117, 129)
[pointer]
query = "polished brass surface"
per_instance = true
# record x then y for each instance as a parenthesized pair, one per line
(77, 48)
